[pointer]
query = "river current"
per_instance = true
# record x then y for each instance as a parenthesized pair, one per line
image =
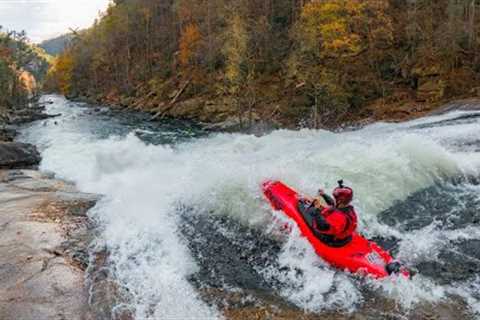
(182, 210)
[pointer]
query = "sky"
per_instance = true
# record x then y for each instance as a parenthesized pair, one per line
(45, 19)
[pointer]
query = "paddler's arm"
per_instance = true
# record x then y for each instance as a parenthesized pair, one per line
(329, 200)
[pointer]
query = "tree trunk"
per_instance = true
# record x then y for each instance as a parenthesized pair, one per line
(129, 57)
(472, 34)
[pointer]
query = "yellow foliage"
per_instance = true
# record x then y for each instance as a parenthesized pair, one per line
(336, 46)
(325, 27)
(61, 72)
(355, 7)
(235, 49)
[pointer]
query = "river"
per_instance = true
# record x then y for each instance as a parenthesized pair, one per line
(182, 211)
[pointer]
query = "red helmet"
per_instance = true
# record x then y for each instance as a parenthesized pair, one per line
(343, 194)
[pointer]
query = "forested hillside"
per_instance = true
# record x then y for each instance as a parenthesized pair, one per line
(56, 45)
(293, 61)
(22, 68)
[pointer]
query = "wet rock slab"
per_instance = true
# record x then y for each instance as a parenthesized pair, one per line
(41, 270)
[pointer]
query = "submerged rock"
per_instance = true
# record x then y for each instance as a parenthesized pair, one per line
(18, 155)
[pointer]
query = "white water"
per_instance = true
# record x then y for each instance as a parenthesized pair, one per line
(143, 184)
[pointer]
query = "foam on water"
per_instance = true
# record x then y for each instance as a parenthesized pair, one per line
(470, 291)
(307, 281)
(221, 174)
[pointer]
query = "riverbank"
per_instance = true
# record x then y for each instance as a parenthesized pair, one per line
(215, 113)
(15, 155)
(44, 232)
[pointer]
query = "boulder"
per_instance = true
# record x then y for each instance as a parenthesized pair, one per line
(7, 134)
(14, 155)
(26, 116)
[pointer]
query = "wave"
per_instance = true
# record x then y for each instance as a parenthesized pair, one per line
(220, 175)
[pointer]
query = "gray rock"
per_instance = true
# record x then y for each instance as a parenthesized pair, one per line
(7, 134)
(17, 119)
(14, 155)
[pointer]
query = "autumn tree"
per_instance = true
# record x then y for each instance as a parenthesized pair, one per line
(236, 61)
(61, 72)
(315, 59)
(336, 46)
(323, 37)
(189, 44)
(20, 63)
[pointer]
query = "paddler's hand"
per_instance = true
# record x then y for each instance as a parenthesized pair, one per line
(321, 192)
(308, 199)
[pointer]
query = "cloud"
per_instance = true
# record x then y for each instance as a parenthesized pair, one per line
(43, 19)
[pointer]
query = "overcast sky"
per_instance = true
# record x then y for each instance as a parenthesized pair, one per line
(45, 19)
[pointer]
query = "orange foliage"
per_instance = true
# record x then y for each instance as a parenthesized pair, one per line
(28, 81)
(189, 44)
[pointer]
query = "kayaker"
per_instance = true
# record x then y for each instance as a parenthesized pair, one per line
(333, 221)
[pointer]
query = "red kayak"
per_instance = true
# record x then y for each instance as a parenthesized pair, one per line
(358, 256)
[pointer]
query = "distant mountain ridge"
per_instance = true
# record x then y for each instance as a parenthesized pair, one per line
(56, 45)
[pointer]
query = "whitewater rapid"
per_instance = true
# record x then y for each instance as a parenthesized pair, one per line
(219, 174)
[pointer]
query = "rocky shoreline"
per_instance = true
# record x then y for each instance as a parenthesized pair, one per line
(47, 268)
(15, 155)
(45, 233)
(215, 116)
